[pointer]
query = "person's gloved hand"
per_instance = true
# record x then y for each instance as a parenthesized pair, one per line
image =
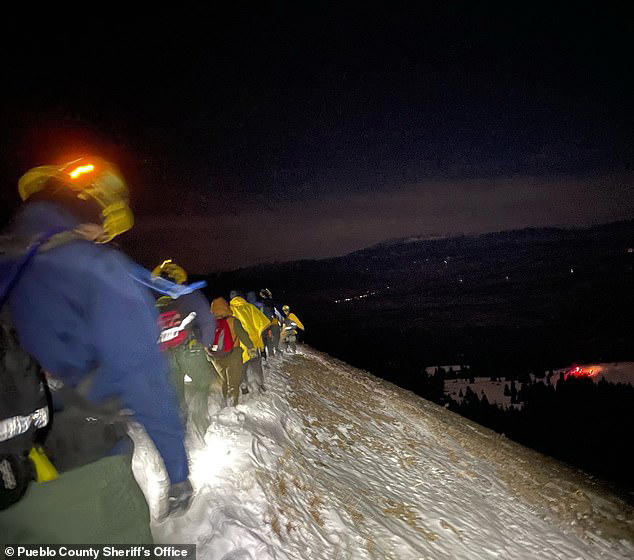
(253, 352)
(179, 497)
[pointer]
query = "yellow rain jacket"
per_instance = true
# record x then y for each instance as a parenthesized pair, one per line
(295, 320)
(253, 321)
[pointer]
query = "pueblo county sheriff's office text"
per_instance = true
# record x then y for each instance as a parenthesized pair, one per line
(103, 552)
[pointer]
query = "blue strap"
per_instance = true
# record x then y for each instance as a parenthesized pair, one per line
(162, 285)
(12, 270)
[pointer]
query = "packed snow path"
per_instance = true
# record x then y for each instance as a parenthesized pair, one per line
(331, 463)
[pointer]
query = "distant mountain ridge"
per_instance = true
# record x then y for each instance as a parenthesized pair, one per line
(309, 274)
(621, 228)
(527, 233)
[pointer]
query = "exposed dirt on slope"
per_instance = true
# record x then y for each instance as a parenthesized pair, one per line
(558, 492)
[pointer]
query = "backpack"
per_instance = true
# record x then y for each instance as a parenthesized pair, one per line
(23, 411)
(224, 340)
(82, 432)
(24, 402)
(175, 329)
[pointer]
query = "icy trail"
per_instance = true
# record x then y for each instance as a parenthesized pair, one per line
(332, 463)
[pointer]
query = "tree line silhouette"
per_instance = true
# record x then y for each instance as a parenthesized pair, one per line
(583, 423)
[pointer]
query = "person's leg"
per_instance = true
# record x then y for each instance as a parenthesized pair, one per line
(265, 338)
(221, 365)
(275, 329)
(244, 380)
(276, 337)
(257, 373)
(283, 342)
(177, 376)
(292, 342)
(217, 390)
(234, 374)
(269, 342)
(200, 372)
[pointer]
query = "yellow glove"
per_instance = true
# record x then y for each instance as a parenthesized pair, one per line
(44, 469)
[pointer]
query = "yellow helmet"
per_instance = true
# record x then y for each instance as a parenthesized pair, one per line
(90, 178)
(170, 269)
(286, 309)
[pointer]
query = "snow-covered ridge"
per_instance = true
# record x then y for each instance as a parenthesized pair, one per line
(332, 463)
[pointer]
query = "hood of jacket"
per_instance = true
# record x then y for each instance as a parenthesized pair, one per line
(37, 217)
(220, 308)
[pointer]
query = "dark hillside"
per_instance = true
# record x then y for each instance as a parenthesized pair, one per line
(509, 301)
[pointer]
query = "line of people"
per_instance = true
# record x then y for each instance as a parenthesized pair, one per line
(90, 340)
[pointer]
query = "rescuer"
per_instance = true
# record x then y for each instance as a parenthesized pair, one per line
(290, 324)
(93, 329)
(187, 328)
(254, 322)
(226, 350)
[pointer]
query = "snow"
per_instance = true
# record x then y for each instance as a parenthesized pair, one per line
(431, 370)
(620, 372)
(331, 463)
(494, 390)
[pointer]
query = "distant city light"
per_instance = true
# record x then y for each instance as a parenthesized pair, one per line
(362, 296)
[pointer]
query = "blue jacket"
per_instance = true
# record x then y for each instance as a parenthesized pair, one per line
(77, 309)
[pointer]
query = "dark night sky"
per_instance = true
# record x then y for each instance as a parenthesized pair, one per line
(277, 132)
